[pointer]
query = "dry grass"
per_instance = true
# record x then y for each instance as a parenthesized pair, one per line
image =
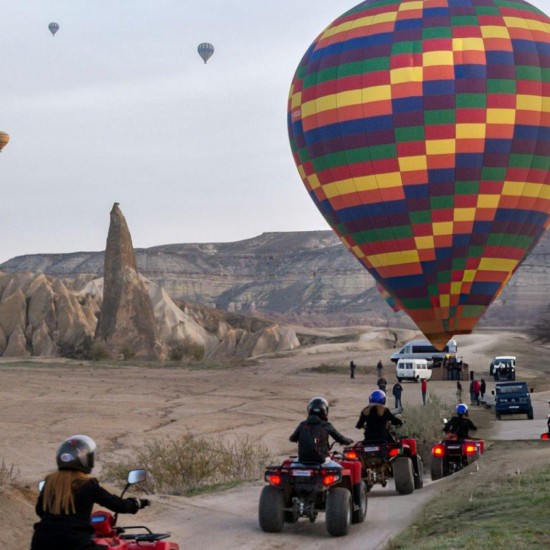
(9, 475)
(187, 464)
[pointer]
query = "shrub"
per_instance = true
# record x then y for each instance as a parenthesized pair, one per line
(189, 464)
(187, 349)
(8, 475)
(99, 351)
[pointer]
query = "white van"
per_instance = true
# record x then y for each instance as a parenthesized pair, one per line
(422, 349)
(412, 369)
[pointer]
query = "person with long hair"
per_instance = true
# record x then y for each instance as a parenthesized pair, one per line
(374, 419)
(66, 500)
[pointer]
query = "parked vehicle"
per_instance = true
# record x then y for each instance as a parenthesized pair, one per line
(412, 369)
(383, 460)
(503, 367)
(299, 490)
(451, 455)
(422, 349)
(134, 537)
(512, 398)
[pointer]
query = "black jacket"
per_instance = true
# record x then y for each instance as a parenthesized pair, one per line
(74, 531)
(459, 425)
(374, 419)
(306, 452)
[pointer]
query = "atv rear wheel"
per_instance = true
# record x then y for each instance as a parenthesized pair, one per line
(338, 512)
(358, 516)
(271, 510)
(403, 475)
(419, 473)
(437, 468)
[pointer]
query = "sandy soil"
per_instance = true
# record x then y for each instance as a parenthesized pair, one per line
(43, 402)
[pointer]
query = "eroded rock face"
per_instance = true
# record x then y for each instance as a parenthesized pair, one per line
(127, 322)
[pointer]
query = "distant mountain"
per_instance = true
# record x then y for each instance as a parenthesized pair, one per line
(307, 277)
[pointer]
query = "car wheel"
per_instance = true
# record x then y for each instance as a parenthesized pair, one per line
(271, 510)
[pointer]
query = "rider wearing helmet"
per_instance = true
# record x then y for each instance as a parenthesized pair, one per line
(374, 419)
(312, 434)
(66, 500)
(460, 425)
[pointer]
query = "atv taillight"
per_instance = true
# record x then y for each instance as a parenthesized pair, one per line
(546, 436)
(394, 452)
(470, 448)
(438, 450)
(274, 479)
(350, 455)
(330, 479)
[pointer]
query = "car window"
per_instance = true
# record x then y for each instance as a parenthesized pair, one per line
(512, 389)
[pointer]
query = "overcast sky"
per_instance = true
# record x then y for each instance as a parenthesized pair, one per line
(119, 107)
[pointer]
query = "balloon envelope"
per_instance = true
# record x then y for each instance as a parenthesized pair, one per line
(421, 131)
(206, 50)
(54, 27)
(4, 139)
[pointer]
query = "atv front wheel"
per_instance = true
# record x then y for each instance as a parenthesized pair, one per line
(338, 512)
(358, 515)
(437, 468)
(403, 475)
(271, 510)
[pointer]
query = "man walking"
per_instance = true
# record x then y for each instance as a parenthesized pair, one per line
(424, 389)
(351, 369)
(397, 390)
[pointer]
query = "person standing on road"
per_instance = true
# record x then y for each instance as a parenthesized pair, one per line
(397, 391)
(352, 369)
(482, 389)
(458, 392)
(382, 384)
(424, 390)
(379, 368)
(477, 390)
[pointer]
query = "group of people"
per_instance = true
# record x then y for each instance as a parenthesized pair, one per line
(477, 391)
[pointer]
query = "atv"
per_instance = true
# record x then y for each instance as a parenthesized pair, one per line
(297, 490)
(451, 455)
(382, 460)
(136, 537)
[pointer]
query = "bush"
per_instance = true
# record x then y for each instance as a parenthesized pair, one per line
(99, 351)
(8, 475)
(187, 464)
(187, 349)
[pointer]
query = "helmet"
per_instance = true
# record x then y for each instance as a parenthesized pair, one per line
(76, 453)
(378, 397)
(462, 408)
(319, 407)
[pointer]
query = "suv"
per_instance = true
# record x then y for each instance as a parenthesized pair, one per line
(512, 398)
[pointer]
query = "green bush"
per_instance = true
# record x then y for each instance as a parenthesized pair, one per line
(189, 464)
(187, 349)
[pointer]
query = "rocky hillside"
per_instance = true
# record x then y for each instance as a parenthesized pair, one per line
(307, 277)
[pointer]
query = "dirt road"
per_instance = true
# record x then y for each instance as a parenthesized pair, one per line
(42, 402)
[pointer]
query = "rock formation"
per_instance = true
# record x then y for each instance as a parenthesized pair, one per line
(126, 324)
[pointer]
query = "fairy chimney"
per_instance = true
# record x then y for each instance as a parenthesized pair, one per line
(126, 325)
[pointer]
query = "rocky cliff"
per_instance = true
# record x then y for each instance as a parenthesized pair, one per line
(307, 277)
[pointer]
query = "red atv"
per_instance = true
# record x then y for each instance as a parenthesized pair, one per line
(451, 455)
(382, 460)
(298, 490)
(119, 538)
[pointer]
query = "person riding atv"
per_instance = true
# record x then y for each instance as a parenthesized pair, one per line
(459, 426)
(312, 435)
(374, 419)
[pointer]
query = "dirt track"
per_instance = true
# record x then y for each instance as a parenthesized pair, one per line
(41, 403)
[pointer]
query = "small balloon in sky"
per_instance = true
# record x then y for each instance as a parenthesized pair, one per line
(4, 139)
(54, 27)
(206, 50)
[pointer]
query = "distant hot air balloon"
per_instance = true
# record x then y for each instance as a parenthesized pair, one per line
(206, 50)
(54, 27)
(4, 139)
(421, 131)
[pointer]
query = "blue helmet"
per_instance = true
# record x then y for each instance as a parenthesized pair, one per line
(462, 408)
(378, 397)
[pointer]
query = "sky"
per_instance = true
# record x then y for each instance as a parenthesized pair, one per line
(119, 107)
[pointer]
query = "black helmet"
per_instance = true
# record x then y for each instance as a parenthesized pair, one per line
(76, 453)
(319, 407)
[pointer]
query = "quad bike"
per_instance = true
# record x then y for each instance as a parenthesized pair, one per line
(451, 455)
(135, 537)
(299, 490)
(382, 460)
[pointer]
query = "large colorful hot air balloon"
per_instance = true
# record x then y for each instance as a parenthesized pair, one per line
(421, 130)
(4, 139)
(206, 51)
(54, 27)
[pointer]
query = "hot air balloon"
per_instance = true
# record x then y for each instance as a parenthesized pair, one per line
(206, 51)
(54, 27)
(4, 139)
(389, 298)
(421, 131)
